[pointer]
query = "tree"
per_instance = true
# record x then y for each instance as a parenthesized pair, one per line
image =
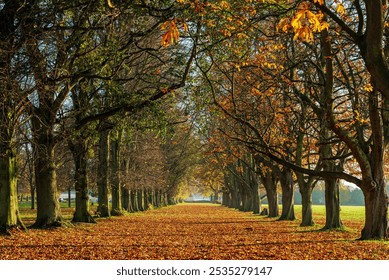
(12, 104)
(369, 157)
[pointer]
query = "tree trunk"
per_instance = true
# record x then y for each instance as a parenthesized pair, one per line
(103, 174)
(139, 196)
(80, 151)
(146, 202)
(31, 178)
(235, 199)
(306, 201)
(126, 199)
(10, 97)
(333, 220)
(271, 192)
(134, 200)
(115, 176)
(170, 199)
(248, 202)
(69, 197)
(9, 209)
(373, 182)
(287, 195)
(48, 208)
(226, 201)
(157, 199)
(32, 192)
(255, 200)
(376, 210)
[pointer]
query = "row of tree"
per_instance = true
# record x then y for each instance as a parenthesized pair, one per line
(83, 77)
(299, 93)
(279, 93)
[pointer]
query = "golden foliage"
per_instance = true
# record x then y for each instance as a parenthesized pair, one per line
(304, 23)
(110, 4)
(171, 35)
(340, 9)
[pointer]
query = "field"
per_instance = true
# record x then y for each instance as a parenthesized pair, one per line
(194, 231)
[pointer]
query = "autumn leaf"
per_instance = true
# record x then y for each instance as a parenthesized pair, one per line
(368, 88)
(340, 9)
(304, 23)
(172, 34)
(190, 231)
(110, 4)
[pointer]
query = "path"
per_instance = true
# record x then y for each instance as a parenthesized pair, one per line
(188, 231)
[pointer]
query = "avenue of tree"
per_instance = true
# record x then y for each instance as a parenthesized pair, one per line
(143, 102)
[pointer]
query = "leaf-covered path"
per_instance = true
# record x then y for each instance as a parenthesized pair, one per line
(189, 231)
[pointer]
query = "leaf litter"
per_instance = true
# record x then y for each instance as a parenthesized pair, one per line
(190, 231)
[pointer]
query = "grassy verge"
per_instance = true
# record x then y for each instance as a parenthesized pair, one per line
(347, 213)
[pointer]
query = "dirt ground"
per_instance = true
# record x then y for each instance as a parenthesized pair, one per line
(190, 231)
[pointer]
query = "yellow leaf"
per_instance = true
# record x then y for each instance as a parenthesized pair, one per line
(340, 9)
(368, 88)
(171, 35)
(110, 4)
(321, 2)
(185, 26)
(283, 25)
(224, 5)
(295, 23)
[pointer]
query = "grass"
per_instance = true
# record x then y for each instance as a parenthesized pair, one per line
(28, 215)
(347, 213)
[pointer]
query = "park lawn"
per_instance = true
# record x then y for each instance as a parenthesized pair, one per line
(352, 214)
(28, 216)
(195, 231)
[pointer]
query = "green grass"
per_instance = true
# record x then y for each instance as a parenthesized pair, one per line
(28, 215)
(27, 205)
(347, 213)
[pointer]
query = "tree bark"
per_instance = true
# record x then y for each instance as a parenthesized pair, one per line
(376, 213)
(9, 209)
(80, 151)
(139, 196)
(157, 200)
(103, 174)
(134, 200)
(333, 220)
(116, 209)
(270, 184)
(287, 195)
(126, 199)
(146, 202)
(48, 208)
(226, 201)
(306, 201)
(255, 200)
(10, 96)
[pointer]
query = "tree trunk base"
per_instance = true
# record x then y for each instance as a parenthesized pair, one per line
(326, 228)
(287, 218)
(86, 218)
(7, 231)
(307, 224)
(102, 211)
(115, 212)
(44, 224)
